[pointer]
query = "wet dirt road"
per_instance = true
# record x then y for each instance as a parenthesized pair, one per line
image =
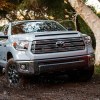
(52, 88)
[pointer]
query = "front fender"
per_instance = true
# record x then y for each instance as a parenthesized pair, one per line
(18, 55)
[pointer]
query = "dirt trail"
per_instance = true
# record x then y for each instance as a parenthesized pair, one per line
(58, 88)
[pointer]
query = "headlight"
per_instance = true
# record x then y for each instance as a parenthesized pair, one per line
(21, 45)
(87, 39)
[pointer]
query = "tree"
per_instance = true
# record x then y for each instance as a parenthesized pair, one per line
(4, 6)
(42, 9)
(8, 9)
(92, 20)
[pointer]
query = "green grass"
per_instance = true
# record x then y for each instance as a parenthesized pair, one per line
(97, 69)
(0, 28)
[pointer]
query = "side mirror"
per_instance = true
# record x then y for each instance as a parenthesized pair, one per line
(2, 35)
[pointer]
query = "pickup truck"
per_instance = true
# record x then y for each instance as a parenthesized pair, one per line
(36, 47)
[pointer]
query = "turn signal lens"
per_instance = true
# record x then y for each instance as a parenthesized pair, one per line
(21, 45)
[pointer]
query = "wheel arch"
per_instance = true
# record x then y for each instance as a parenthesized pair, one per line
(9, 55)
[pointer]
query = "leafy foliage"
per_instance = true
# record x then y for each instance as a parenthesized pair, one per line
(41, 8)
(7, 8)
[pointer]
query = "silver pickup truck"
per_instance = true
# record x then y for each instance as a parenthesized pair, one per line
(36, 47)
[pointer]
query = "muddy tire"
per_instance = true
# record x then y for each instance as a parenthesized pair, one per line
(12, 76)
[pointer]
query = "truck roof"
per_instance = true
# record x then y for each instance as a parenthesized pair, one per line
(31, 21)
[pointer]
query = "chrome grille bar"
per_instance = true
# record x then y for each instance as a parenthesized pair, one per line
(57, 45)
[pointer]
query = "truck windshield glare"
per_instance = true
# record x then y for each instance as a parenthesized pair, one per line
(36, 26)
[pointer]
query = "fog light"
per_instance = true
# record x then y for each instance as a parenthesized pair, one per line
(23, 67)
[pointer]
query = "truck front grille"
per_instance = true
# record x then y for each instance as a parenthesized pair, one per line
(57, 45)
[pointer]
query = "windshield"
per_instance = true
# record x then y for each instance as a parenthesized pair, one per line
(36, 26)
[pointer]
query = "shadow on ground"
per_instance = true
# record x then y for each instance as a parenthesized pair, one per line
(52, 88)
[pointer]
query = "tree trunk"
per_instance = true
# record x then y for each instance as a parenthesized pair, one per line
(93, 22)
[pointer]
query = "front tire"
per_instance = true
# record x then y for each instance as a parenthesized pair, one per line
(11, 73)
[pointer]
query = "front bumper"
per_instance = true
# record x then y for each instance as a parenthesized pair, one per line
(53, 65)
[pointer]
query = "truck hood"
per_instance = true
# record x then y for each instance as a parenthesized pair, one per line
(45, 35)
